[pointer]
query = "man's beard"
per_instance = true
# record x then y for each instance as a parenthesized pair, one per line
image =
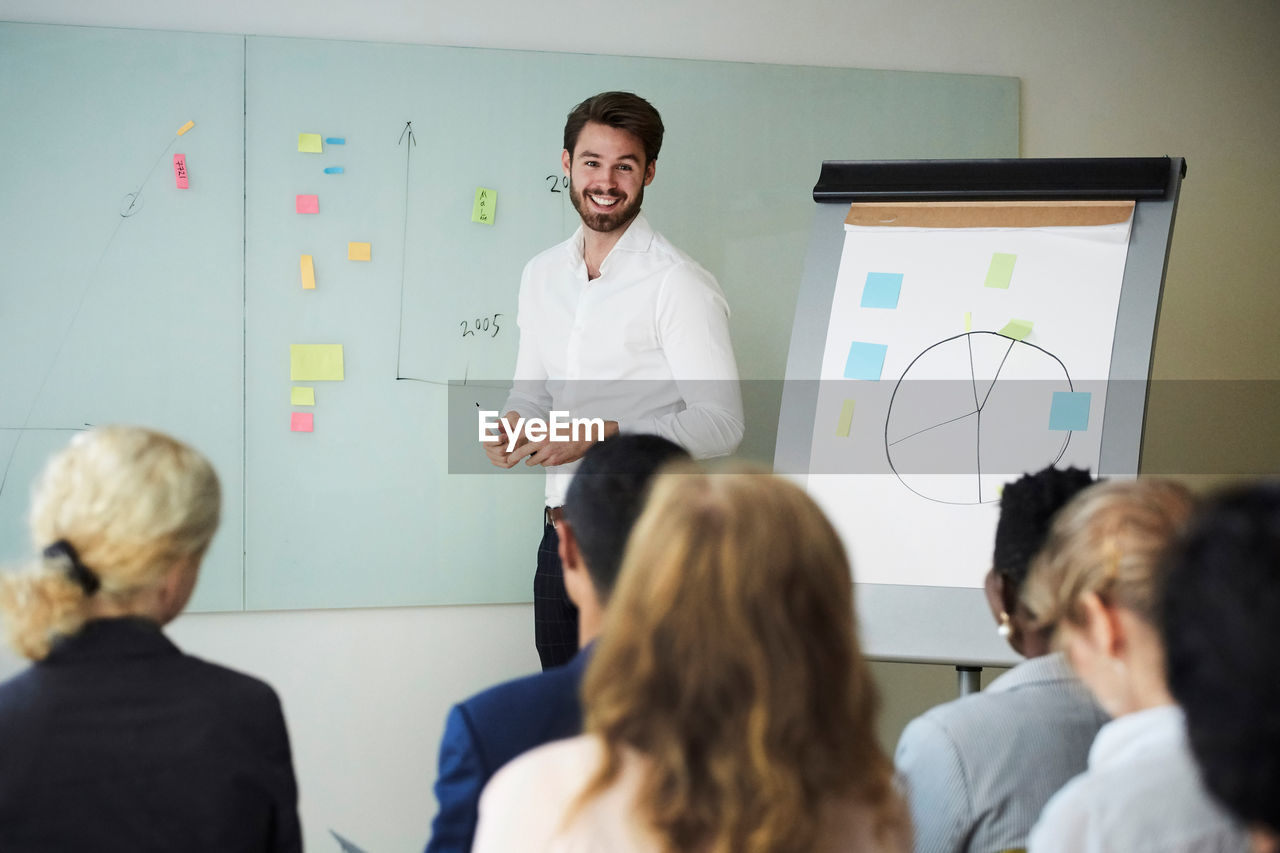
(619, 217)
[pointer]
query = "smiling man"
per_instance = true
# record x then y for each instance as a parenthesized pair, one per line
(615, 323)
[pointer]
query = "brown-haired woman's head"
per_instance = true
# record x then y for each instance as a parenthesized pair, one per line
(1098, 581)
(729, 660)
(121, 518)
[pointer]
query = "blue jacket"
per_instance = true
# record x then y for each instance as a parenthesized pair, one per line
(491, 728)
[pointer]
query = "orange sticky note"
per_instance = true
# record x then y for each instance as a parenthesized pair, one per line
(308, 272)
(302, 422)
(308, 204)
(186, 127)
(359, 251)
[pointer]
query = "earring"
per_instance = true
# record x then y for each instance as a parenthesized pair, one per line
(1004, 629)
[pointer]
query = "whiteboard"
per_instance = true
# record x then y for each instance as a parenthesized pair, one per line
(188, 318)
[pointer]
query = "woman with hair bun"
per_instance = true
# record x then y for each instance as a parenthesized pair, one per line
(114, 739)
(728, 707)
(1098, 580)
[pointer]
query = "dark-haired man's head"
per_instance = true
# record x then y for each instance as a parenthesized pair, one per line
(1027, 508)
(1220, 623)
(611, 144)
(603, 502)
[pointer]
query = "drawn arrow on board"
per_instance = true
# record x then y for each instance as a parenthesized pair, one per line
(404, 238)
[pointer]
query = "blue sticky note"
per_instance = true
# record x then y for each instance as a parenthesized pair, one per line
(335, 140)
(865, 360)
(881, 290)
(333, 170)
(1070, 410)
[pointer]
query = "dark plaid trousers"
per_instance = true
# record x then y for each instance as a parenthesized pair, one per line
(555, 617)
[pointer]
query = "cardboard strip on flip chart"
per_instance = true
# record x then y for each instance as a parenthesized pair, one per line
(988, 214)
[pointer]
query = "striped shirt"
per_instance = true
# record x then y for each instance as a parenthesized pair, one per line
(978, 770)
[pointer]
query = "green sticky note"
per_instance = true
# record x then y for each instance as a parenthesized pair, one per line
(1001, 270)
(485, 206)
(315, 362)
(1017, 329)
(310, 143)
(968, 321)
(846, 420)
(302, 397)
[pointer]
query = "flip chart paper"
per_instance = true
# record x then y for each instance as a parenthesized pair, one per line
(308, 267)
(309, 143)
(308, 204)
(315, 362)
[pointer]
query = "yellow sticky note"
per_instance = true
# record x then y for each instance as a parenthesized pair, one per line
(310, 143)
(485, 206)
(359, 251)
(302, 397)
(1000, 273)
(968, 321)
(846, 420)
(186, 127)
(1017, 329)
(315, 362)
(308, 267)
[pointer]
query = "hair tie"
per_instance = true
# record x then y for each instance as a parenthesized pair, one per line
(76, 570)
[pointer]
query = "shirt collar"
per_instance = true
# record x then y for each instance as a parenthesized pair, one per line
(1039, 670)
(1153, 729)
(637, 238)
(112, 639)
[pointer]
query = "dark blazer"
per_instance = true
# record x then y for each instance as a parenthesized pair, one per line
(491, 728)
(119, 741)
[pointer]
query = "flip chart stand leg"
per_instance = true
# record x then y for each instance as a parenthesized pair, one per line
(969, 679)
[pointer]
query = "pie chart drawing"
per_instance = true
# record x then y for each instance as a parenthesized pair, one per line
(972, 412)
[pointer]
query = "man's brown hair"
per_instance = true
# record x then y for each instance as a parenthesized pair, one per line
(621, 110)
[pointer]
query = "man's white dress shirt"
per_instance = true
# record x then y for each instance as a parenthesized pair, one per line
(646, 344)
(1141, 794)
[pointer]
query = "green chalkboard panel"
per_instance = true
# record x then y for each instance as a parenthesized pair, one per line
(371, 507)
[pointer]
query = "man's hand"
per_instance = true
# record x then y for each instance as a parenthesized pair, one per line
(497, 450)
(548, 453)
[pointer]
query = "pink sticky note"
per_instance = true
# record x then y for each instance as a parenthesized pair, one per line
(302, 422)
(180, 170)
(308, 204)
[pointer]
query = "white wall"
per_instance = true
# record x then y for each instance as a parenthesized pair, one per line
(365, 692)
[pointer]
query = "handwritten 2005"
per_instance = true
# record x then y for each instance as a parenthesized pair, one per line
(481, 324)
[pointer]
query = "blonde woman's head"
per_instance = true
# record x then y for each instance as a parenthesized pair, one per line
(117, 514)
(729, 659)
(1097, 583)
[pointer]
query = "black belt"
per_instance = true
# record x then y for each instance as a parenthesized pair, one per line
(552, 515)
